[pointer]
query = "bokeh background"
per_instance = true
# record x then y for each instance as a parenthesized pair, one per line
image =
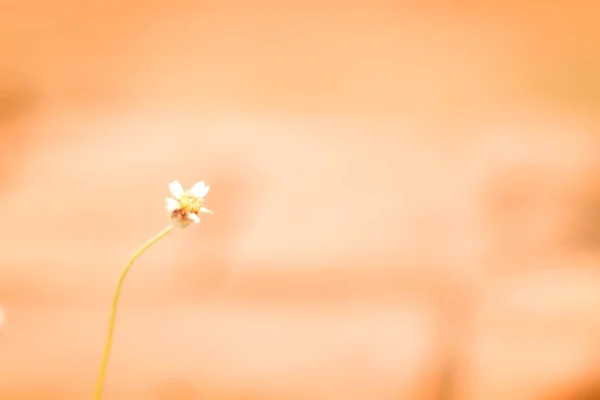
(406, 193)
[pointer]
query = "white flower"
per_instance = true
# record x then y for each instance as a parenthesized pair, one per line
(185, 206)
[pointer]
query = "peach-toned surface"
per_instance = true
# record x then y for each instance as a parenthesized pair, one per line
(405, 200)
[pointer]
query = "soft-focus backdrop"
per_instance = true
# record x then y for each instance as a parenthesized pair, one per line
(407, 199)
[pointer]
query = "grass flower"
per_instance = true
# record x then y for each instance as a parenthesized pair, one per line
(184, 209)
(185, 206)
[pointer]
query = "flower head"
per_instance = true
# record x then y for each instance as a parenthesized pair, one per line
(186, 205)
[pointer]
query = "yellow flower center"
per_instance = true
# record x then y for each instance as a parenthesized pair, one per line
(189, 203)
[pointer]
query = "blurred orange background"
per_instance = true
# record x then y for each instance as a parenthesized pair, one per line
(406, 199)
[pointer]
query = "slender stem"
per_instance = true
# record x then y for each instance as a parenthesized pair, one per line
(115, 305)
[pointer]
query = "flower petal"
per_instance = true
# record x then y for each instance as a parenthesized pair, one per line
(172, 204)
(204, 191)
(176, 189)
(194, 218)
(206, 210)
(198, 189)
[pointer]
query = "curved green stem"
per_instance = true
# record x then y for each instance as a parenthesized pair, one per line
(115, 305)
